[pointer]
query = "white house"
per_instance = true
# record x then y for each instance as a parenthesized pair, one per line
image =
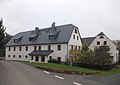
(44, 44)
(102, 40)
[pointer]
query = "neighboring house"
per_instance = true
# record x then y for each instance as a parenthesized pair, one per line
(102, 40)
(44, 44)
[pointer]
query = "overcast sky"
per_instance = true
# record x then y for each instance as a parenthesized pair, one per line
(90, 16)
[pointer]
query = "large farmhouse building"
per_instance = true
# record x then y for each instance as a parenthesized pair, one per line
(102, 40)
(44, 44)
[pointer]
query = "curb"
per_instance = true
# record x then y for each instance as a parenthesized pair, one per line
(64, 71)
(67, 71)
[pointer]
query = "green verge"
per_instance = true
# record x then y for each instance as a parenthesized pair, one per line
(73, 68)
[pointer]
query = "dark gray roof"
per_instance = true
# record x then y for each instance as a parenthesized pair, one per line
(58, 34)
(87, 40)
(40, 52)
(100, 34)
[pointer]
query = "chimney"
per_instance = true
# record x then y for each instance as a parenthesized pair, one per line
(36, 30)
(53, 26)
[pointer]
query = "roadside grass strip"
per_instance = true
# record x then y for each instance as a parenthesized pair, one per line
(73, 68)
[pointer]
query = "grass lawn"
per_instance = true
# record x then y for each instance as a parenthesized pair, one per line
(73, 68)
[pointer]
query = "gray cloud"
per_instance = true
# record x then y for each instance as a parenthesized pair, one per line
(91, 16)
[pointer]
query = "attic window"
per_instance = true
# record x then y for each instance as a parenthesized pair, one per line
(16, 40)
(98, 42)
(76, 31)
(105, 42)
(101, 37)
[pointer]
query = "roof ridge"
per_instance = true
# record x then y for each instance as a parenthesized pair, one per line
(44, 28)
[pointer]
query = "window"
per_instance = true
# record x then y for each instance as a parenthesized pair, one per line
(101, 37)
(31, 57)
(26, 56)
(39, 48)
(8, 55)
(105, 42)
(75, 47)
(98, 42)
(26, 48)
(9, 48)
(79, 47)
(73, 36)
(50, 57)
(71, 47)
(13, 56)
(59, 59)
(20, 48)
(59, 47)
(35, 47)
(76, 31)
(14, 48)
(19, 56)
(49, 47)
(77, 38)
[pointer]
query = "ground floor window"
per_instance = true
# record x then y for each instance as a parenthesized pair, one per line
(31, 57)
(8, 55)
(13, 56)
(59, 59)
(26, 56)
(79, 47)
(50, 57)
(19, 56)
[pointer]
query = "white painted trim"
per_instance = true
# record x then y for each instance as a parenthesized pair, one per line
(59, 77)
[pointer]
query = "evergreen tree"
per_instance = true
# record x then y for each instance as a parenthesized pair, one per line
(103, 57)
(2, 35)
(4, 38)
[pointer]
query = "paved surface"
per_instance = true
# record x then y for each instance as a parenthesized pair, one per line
(16, 73)
(108, 80)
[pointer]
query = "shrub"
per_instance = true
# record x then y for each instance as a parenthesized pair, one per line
(99, 58)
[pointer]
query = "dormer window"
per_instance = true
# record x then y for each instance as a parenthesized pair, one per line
(101, 37)
(34, 34)
(18, 39)
(53, 36)
(33, 37)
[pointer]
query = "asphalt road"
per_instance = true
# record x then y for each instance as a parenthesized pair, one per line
(17, 73)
